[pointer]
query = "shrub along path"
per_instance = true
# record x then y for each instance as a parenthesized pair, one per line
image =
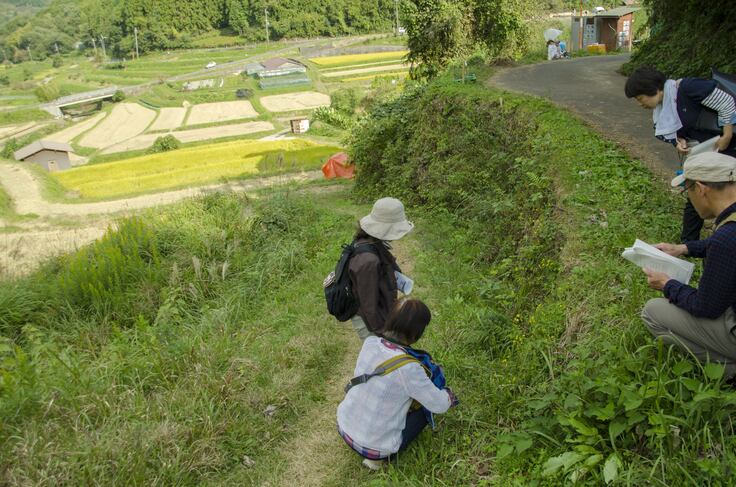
(593, 89)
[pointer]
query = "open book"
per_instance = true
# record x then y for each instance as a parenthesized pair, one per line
(645, 255)
(707, 146)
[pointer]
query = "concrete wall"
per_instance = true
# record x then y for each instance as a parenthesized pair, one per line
(50, 160)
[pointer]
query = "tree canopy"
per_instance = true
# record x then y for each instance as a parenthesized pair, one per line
(443, 30)
(168, 24)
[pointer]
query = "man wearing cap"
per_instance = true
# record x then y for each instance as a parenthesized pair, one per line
(702, 320)
(372, 274)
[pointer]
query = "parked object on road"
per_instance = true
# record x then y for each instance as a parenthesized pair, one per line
(210, 65)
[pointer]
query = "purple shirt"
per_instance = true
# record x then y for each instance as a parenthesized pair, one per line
(717, 287)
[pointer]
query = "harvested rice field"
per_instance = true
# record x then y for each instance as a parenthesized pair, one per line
(169, 119)
(70, 133)
(288, 102)
(125, 121)
(145, 141)
(194, 166)
(220, 112)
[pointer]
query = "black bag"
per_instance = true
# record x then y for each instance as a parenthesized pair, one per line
(341, 303)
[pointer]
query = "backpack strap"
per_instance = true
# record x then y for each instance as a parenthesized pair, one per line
(384, 368)
(729, 219)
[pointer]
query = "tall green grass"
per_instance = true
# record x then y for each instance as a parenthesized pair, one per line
(525, 213)
(206, 321)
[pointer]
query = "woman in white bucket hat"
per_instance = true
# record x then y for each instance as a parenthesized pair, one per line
(373, 274)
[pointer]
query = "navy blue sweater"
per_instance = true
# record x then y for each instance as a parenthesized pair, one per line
(717, 287)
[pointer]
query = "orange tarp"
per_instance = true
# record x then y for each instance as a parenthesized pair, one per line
(338, 166)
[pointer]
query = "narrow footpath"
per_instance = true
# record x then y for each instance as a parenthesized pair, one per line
(593, 89)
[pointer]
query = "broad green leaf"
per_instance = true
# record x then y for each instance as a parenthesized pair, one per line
(682, 367)
(705, 395)
(583, 428)
(504, 450)
(572, 402)
(602, 414)
(610, 469)
(564, 461)
(713, 371)
(630, 400)
(691, 384)
(617, 426)
(523, 444)
(593, 460)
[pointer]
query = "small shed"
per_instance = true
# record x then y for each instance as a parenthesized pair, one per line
(613, 28)
(299, 125)
(280, 67)
(50, 155)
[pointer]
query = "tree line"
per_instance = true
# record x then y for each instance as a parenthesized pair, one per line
(66, 25)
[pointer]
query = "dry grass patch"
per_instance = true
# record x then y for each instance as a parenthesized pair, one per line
(220, 112)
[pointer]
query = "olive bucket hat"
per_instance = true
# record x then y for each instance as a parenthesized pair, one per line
(387, 220)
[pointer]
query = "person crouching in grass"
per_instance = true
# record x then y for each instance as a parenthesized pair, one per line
(702, 320)
(379, 415)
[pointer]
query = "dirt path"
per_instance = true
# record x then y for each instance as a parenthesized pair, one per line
(317, 455)
(25, 191)
(593, 89)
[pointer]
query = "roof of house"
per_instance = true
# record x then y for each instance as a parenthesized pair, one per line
(618, 12)
(39, 146)
(277, 62)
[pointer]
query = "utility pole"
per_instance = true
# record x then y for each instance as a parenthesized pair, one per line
(396, 13)
(266, 11)
(56, 46)
(104, 52)
(28, 48)
(94, 46)
(135, 33)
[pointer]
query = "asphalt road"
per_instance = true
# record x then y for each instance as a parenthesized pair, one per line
(592, 88)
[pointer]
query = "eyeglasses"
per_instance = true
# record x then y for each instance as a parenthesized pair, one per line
(686, 187)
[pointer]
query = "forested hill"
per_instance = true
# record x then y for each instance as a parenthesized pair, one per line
(11, 9)
(167, 24)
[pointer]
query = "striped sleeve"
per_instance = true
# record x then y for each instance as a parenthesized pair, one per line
(723, 103)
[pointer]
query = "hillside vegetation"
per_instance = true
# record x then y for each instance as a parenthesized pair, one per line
(191, 346)
(687, 39)
(170, 24)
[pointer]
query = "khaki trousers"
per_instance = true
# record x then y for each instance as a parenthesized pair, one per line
(360, 328)
(712, 340)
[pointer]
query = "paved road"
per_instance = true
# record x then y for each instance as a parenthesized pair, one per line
(592, 88)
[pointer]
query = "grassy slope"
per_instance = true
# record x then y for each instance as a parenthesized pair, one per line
(535, 320)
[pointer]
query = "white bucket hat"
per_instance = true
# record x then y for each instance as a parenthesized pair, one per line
(387, 220)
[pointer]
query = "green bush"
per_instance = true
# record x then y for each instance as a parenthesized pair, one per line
(332, 117)
(118, 96)
(687, 39)
(4, 80)
(57, 62)
(164, 144)
(11, 145)
(47, 92)
(345, 101)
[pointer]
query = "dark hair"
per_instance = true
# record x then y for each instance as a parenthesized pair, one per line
(718, 186)
(407, 320)
(361, 234)
(644, 81)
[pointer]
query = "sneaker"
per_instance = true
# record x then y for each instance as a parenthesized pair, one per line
(373, 464)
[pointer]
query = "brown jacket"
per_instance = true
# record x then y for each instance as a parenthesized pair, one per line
(374, 284)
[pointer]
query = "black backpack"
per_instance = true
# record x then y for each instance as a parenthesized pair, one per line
(341, 302)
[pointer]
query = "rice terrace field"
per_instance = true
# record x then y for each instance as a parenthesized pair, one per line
(362, 67)
(194, 166)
